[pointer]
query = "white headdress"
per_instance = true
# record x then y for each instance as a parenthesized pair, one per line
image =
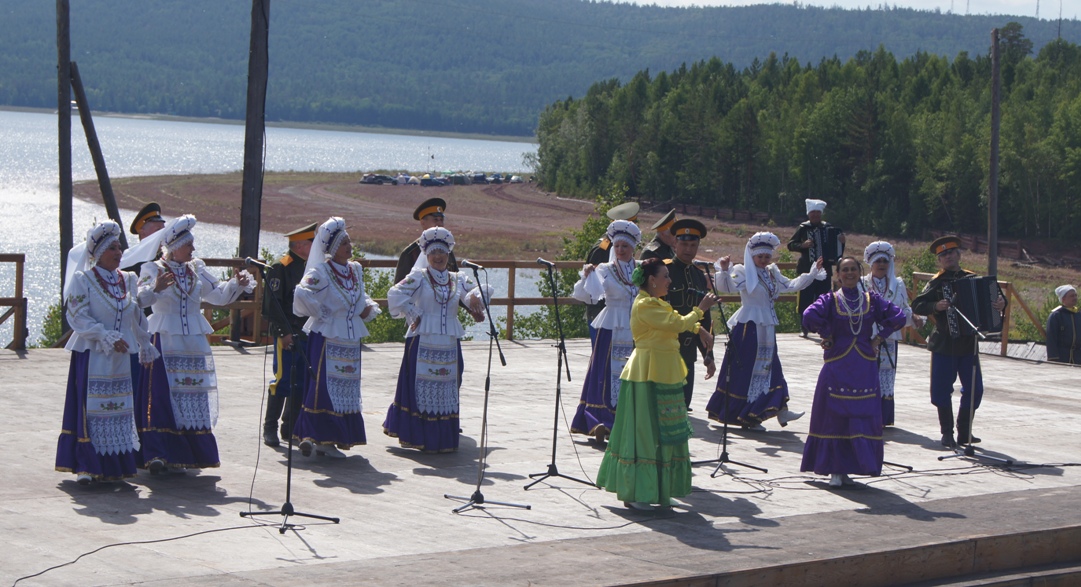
(1060, 291)
(814, 205)
(760, 242)
(433, 239)
(176, 233)
(881, 250)
(85, 254)
(327, 240)
(622, 230)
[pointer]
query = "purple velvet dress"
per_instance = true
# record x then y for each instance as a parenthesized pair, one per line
(846, 417)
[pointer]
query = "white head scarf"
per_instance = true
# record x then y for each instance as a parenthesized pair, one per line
(1060, 291)
(879, 250)
(760, 242)
(622, 230)
(85, 254)
(327, 240)
(814, 205)
(434, 239)
(176, 233)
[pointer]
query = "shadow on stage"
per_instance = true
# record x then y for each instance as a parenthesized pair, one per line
(460, 465)
(688, 526)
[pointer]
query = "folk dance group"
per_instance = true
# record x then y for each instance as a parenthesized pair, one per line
(142, 393)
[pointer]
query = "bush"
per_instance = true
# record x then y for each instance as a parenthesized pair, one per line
(51, 329)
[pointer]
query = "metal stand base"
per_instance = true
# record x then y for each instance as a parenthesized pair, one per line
(477, 501)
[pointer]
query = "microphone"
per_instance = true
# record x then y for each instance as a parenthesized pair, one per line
(704, 264)
(550, 264)
(697, 291)
(470, 265)
(249, 262)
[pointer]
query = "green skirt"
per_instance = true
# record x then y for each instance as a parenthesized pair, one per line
(647, 458)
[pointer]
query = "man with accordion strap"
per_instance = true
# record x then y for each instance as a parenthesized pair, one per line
(952, 343)
(813, 239)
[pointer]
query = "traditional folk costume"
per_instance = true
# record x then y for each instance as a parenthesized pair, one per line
(815, 232)
(648, 460)
(599, 253)
(751, 374)
(424, 414)
(1064, 331)
(892, 289)
(99, 439)
(178, 394)
(411, 256)
(611, 282)
(338, 306)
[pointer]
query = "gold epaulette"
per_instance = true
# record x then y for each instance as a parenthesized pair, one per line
(286, 260)
(604, 244)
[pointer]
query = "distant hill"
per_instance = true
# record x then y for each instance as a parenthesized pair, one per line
(485, 66)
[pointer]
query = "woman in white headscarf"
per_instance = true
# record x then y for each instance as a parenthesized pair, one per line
(1064, 328)
(333, 295)
(751, 375)
(611, 282)
(424, 414)
(99, 440)
(883, 281)
(178, 394)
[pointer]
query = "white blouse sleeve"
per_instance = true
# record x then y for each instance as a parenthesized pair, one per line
(308, 295)
(588, 289)
(368, 301)
(785, 285)
(148, 278)
(82, 321)
(400, 302)
(725, 281)
(213, 291)
(471, 291)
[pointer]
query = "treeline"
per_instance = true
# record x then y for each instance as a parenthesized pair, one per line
(895, 146)
(483, 66)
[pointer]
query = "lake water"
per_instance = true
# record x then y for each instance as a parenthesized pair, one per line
(29, 186)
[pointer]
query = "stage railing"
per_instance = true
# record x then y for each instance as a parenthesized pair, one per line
(16, 305)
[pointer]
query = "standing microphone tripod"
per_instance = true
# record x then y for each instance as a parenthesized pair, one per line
(287, 508)
(561, 354)
(477, 499)
(723, 458)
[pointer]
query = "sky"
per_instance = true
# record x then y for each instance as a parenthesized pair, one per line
(1048, 9)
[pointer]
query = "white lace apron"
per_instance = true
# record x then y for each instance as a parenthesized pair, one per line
(622, 347)
(110, 420)
(887, 367)
(763, 362)
(193, 386)
(342, 360)
(437, 374)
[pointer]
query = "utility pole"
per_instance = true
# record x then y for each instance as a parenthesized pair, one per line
(992, 184)
(63, 111)
(254, 130)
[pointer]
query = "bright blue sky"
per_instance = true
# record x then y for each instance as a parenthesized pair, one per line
(1049, 9)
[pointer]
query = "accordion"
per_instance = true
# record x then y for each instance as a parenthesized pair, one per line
(826, 243)
(973, 296)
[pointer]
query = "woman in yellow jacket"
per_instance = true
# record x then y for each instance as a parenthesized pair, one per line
(647, 460)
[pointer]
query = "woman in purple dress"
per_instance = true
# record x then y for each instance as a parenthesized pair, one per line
(846, 417)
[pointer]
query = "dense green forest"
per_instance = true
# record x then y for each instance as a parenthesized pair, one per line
(486, 66)
(894, 146)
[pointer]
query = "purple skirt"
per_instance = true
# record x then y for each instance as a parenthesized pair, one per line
(846, 419)
(405, 421)
(159, 434)
(317, 422)
(734, 379)
(596, 411)
(74, 451)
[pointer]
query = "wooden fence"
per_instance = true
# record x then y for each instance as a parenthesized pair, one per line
(17, 304)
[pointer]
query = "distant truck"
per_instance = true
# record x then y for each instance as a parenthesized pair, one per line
(378, 179)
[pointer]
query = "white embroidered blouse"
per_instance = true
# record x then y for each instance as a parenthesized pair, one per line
(433, 297)
(611, 282)
(757, 306)
(333, 297)
(897, 295)
(176, 308)
(101, 310)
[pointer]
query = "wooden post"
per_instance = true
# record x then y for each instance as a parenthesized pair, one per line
(63, 110)
(510, 303)
(254, 127)
(992, 191)
(92, 143)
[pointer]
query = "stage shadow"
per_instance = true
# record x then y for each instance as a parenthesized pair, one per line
(879, 502)
(358, 476)
(687, 526)
(709, 502)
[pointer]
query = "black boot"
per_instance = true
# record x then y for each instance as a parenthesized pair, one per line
(945, 424)
(964, 429)
(274, 404)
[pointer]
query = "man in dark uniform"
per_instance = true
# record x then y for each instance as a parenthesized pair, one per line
(685, 278)
(953, 355)
(598, 254)
(286, 390)
(147, 222)
(805, 243)
(430, 213)
(663, 241)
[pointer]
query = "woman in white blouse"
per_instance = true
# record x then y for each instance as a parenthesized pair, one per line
(883, 281)
(751, 379)
(178, 394)
(611, 282)
(99, 440)
(424, 414)
(333, 296)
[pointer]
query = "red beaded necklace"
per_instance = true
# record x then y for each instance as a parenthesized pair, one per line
(107, 286)
(347, 280)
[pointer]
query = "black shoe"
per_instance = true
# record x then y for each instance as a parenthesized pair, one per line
(948, 441)
(306, 448)
(270, 438)
(156, 466)
(961, 438)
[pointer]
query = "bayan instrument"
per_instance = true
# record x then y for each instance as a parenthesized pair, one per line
(973, 296)
(826, 243)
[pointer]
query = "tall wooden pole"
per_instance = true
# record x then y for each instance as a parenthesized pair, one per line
(63, 110)
(992, 184)
(254, 127)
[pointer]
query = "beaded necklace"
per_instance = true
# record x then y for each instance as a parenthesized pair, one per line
(108, 286)
(884, 290)
(445, 287)
(183, 278)
(854, 313)
(765, 277)
(346, 280)
(623, 277)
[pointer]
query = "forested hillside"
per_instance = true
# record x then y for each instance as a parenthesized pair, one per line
(895, 145)
(487, 66)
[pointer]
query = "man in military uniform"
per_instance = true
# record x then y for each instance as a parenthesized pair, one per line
(685, 292)
(598, 254)
(286, 390)
(147, 222)
(430, 213)
(661, 246)
(953, 355)
(803, 242)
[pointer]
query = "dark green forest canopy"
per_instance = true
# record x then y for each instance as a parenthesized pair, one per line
(484, 66)
(896, 146)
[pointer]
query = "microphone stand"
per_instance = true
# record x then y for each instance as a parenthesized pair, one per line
(723, 458)
(477, 499)
(964, 447)
(561, 354)
(287, 508)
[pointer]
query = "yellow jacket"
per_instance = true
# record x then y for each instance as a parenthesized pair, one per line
(655, 327)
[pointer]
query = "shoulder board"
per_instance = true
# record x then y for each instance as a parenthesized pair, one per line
(604, 244)
(286, 260)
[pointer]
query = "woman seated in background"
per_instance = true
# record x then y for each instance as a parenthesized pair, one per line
(424, 414)
(99, 440)
(648, 460)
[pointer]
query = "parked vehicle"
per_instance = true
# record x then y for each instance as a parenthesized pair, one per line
(495, 178)
(515, 179)
(378, 179)
(480, 178)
